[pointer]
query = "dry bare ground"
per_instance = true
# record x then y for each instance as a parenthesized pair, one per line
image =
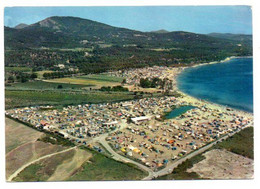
(17, 134)
(222, 164)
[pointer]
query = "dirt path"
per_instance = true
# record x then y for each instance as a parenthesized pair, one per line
(69, 166)
(32, 162)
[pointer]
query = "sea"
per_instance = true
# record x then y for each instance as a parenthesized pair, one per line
(229, 83)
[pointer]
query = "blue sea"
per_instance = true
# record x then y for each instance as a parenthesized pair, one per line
(229, 83)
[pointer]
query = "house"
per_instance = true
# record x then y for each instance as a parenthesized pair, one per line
(61, 66)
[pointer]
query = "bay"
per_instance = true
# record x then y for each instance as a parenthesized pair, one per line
(229, 83)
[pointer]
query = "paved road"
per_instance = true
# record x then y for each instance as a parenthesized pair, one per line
(32, 162)
(118, 157)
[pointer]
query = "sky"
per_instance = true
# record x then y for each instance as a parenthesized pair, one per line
(197, 19)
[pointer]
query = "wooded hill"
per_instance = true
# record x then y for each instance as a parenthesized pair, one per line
(68, 39)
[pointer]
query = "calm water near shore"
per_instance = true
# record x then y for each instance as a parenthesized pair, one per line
(178, 111)
(229, 83)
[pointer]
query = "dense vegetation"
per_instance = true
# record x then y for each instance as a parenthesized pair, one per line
(115, 89)
(55, 139)
(94, 47)
(241, 143)
(151, 83)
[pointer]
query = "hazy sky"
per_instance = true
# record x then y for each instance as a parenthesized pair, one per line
(198, 19)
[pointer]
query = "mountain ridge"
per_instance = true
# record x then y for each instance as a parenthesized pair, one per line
(95, 47)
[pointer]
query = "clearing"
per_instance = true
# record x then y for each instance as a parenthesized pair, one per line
(222, 164)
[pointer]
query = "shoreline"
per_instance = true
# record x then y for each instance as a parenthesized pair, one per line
(206, 101)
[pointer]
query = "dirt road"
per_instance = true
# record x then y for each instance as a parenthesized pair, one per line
(32, 162)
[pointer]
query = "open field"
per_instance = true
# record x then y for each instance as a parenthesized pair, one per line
(222, 164)
(42, 85)
(100, 167)
(42, 170)
(102, 77)
(17, 134)
(79, 164)
(70, 166)
(30, 98)
(97, 82)
(27, 153)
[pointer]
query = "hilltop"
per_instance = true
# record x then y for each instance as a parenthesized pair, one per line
(160, 31)
(21, 26)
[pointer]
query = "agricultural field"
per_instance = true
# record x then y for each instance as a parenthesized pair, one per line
(15, 98)
(17, 134)
(42, 85)
(103, 77)
(97, 81)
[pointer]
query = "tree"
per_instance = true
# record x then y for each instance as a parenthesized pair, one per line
(24, 79)
(124, 81)
(33, 76)
(10, 79)
(60, 87)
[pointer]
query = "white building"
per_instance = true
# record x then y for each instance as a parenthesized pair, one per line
(139, 120)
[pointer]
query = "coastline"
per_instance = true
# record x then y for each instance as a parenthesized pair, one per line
(193, 99)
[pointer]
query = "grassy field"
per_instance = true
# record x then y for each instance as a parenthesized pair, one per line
(30, 98)
(240, 143)
(102, 77)
(97, 80)
(85, 81)
(103, 168)
(42, 85)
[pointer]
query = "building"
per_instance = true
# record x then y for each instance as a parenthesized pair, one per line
(141, 119)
